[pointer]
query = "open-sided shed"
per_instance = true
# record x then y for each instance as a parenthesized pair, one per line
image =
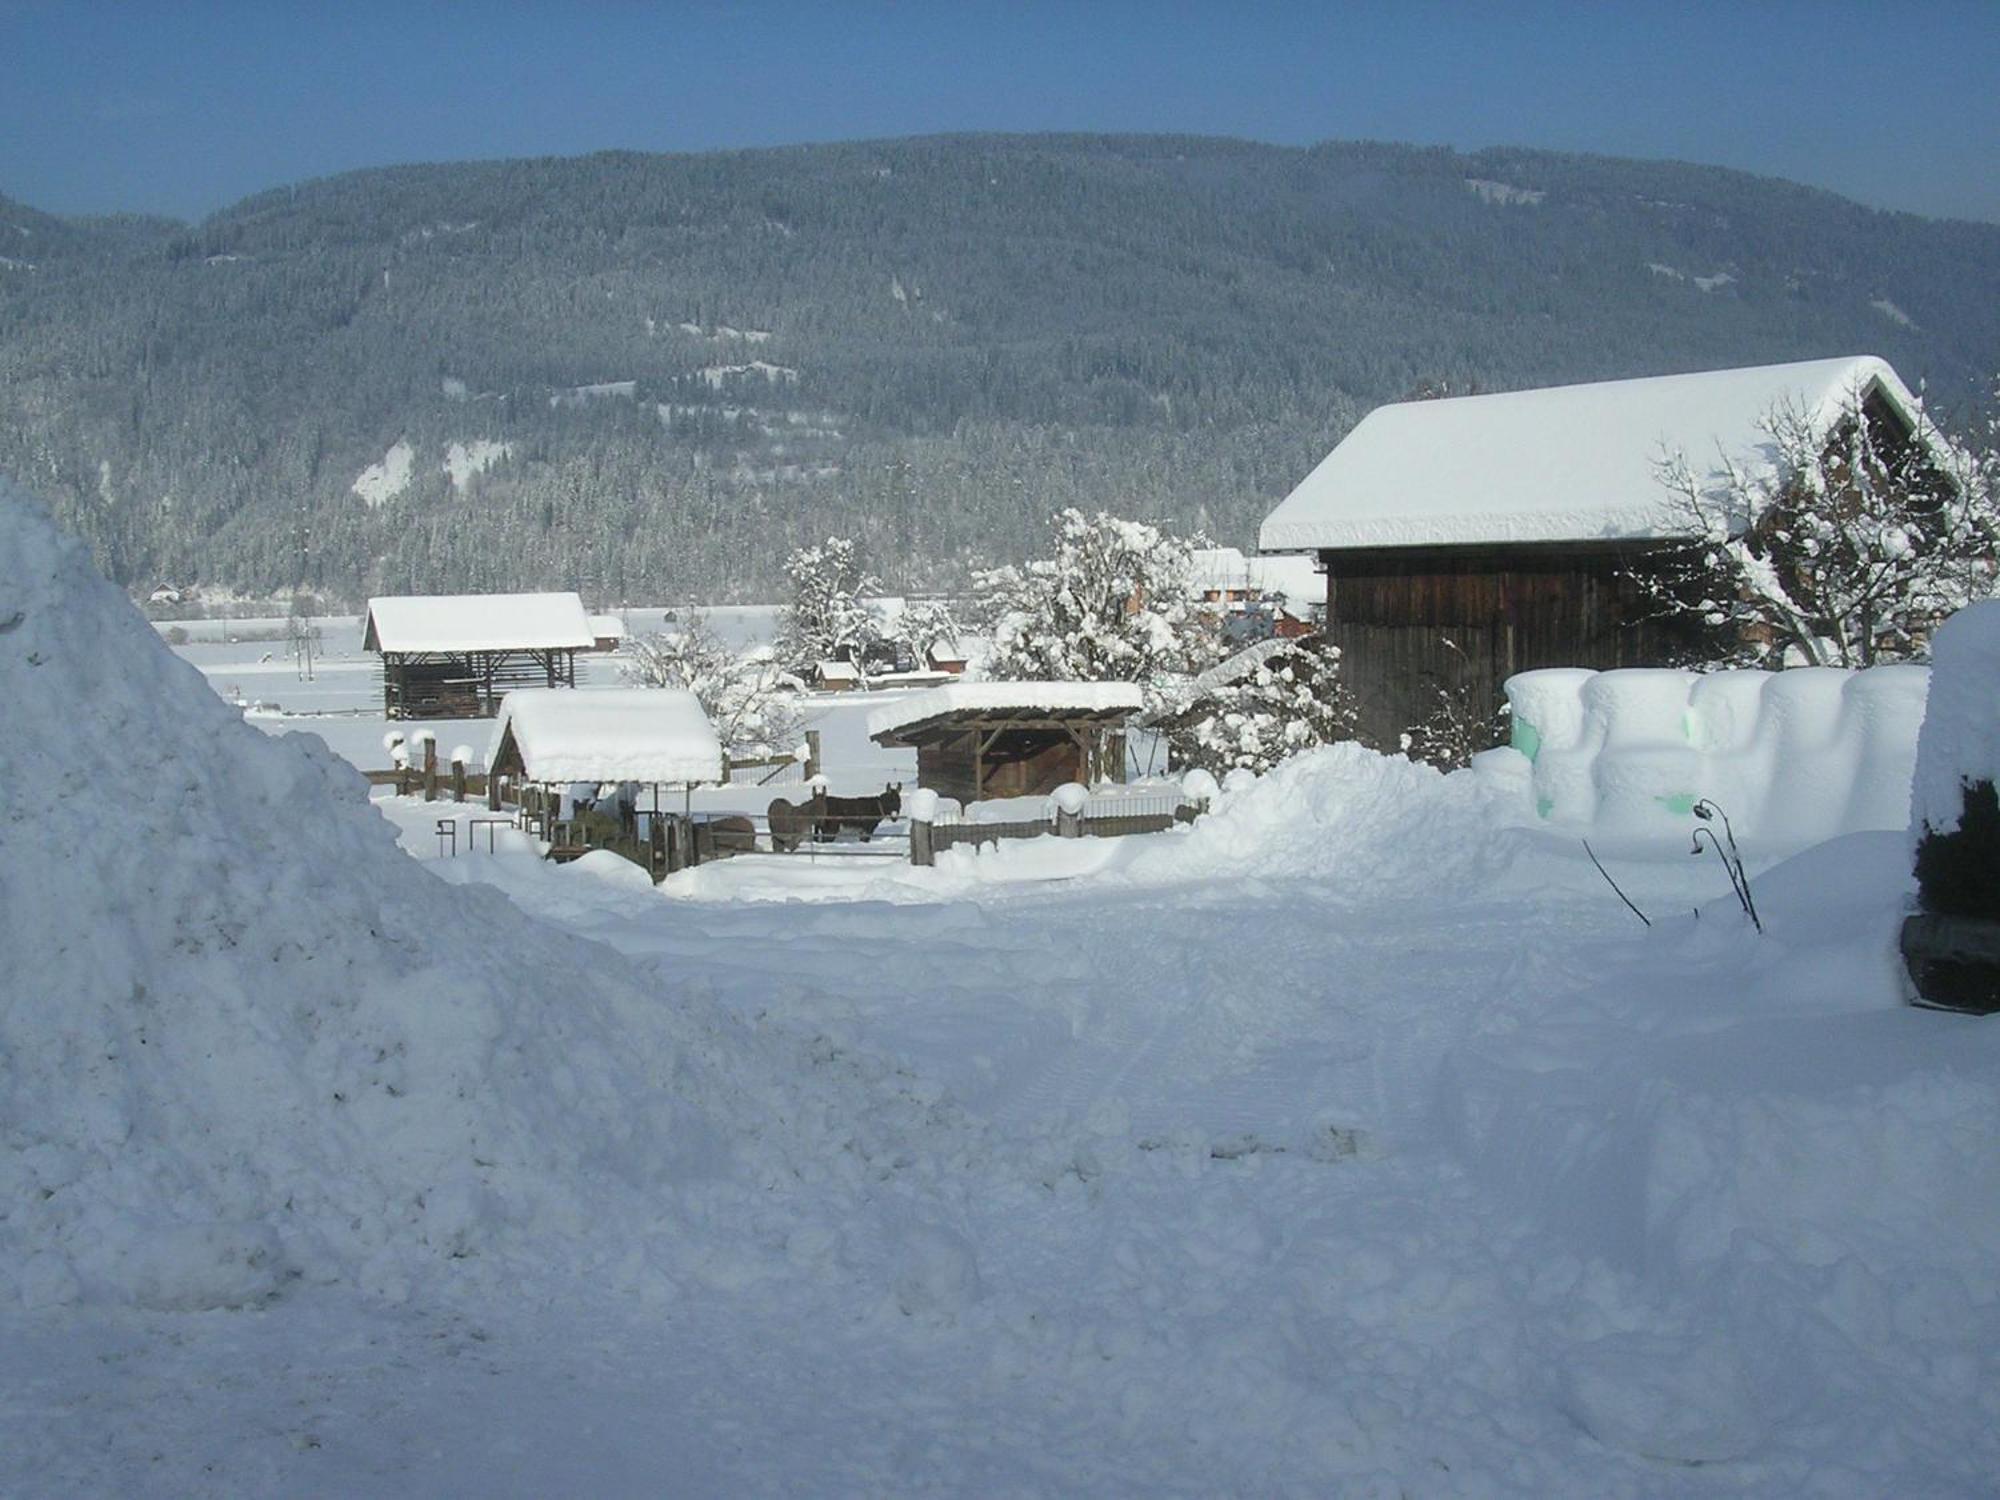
(977, 740)
(455, 656)
(1469, 539)
(655, 737)
(643, 741)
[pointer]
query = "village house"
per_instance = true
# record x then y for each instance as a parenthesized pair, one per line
(1467, 539)
(454, 656)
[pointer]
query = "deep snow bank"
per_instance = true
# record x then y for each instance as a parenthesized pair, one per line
(1795, 1170)
(242, 1037)
(1381, 824)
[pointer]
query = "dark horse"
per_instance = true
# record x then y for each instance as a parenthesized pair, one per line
(821, 818)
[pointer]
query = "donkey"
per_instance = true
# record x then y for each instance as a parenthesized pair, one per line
(791, 825)
(864, 813)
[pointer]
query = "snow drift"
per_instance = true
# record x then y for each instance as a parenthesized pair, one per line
(243, 1038)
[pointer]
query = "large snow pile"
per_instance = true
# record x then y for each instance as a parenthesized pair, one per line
(1961, 738)
(1793, 757)
(1376, 824)
(243, 1038)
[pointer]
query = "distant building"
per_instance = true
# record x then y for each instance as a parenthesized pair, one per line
(976, 740)
(455, 656)
(609, 631)
(1468, 539)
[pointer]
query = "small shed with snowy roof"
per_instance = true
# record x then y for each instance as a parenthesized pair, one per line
(456, 655)
(651, 736)
(979, 740)
(1468, 539)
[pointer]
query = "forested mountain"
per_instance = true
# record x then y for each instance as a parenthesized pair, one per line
(649, 376)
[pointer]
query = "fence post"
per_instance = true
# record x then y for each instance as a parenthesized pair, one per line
(1069, 799)
(493, 780)
(431, 770)
(812, 754)
(920, 843)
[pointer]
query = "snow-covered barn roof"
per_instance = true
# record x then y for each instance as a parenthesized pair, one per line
(607, 627)
(1561, 464)
(477, 622)
(1024, 699)
(617, 734)
(1225, 568)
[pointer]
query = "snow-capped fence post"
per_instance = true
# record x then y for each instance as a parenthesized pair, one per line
(430, 744)
(922, 808)
(1069, 800)
(459, 758)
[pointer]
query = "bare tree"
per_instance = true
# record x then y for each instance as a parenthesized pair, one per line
(1847, 551)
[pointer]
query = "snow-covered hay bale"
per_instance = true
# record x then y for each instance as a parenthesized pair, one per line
(1793, 757)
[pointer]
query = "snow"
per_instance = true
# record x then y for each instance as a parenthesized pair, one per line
(382, 482)
(583, 395)
(465, 462)
(1489, 191)
(607, 627)
(1226, 568)
(1960, 743)
(478, 622)
(1027, 697)
(615, 734)
(1793, 757)
(719, 376)
(1568, 463)
(1354, 1140)
(1892, 312)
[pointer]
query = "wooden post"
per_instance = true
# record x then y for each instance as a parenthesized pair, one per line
(812, 754)
(430, 770)
(492, 790)
(458, 781)
(921, 852)
(1069, 825)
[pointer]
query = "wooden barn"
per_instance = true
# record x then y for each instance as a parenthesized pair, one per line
(455, 656)
(1468, 539)
(981, 740)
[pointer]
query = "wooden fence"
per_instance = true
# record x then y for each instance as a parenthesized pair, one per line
(1106, 817)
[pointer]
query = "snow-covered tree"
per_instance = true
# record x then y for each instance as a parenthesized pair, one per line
(1846, 552)
(924, 623)
(825, 619)
(740, 693)
(1111, 605)
(1265, 703)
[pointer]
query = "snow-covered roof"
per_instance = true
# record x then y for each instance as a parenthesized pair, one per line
(1226, 568)
(607, 627)
(1565, 463)
(478, 622)
(1055, 698)
(617, 734)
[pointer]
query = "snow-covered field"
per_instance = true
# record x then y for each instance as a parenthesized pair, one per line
(1351, 1141)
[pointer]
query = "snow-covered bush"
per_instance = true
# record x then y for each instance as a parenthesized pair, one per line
(1263, 704)
(1109, 605)
(1847, 552)
(825, 619)
(741, 695)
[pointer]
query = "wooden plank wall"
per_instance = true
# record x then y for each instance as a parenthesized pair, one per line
(1411, 620)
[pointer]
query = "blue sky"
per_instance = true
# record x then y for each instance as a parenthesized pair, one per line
(183, 108)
